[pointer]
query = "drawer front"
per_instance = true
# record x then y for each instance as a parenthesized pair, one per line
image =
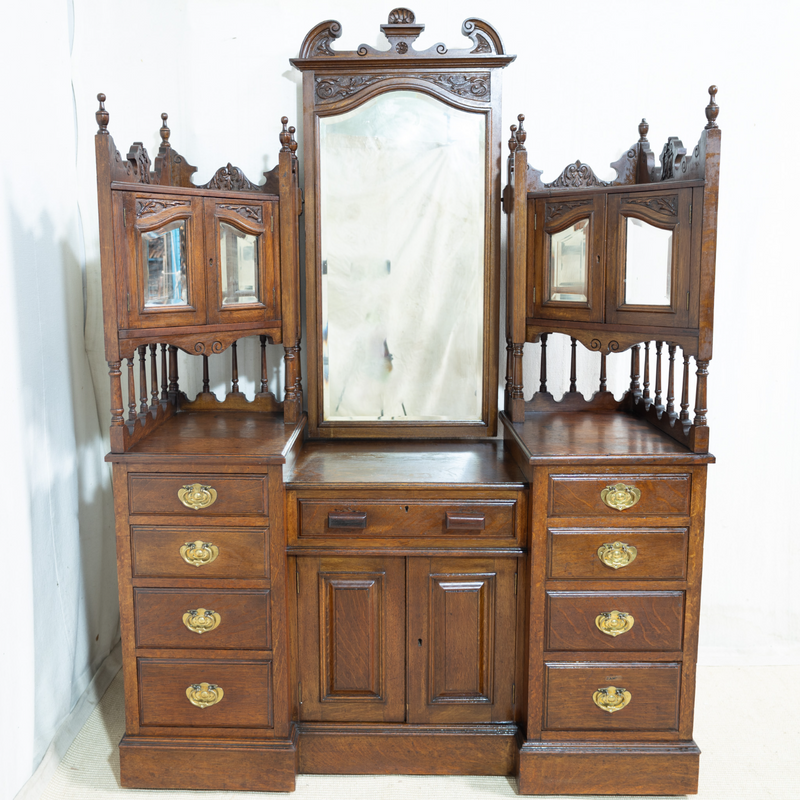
(208, 495)
(201, 619)
(632, 495)
(245, 701)
(199, 552)
(348, 518)
(615, 621)
(652, 701)
(617, 554)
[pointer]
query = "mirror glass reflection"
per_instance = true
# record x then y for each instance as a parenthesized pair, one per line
(238, 265)
(648, 264)
(402, 209)
(164, 254)
(569, 263)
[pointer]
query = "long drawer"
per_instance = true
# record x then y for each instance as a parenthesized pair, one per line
(615, 621)
(612, 697)
(202, 618)
(201, 494)
(205, 694)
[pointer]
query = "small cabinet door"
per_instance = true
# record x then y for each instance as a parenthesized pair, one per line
(651, 276)
(159, 242)
(241, 261)
(568, 258)
(351, 639)
(461, 639)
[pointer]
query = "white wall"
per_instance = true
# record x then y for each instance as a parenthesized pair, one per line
(585, 75)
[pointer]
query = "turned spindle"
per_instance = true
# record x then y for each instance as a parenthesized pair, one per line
(573, 365)
(671, 381)
(173, 373)
(205, 375)
(234, 370)
(646, 380)
(603, 380)
(636, 390)
(543, 364)
(658, 374)
(509, 349)
(164, 394)
(131, 391)
(685, 390)
(516, 371)
(264, 377)
(142, 378)
(117, 409)
(700, 409)
(153, 376)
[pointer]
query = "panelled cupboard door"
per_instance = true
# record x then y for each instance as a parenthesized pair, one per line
(652, 272)
(568, 257)
(241, 258)
(159, 245)
(351, 639)
(461, 644)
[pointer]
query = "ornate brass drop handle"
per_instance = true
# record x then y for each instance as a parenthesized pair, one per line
(616, 554)
(204, 695)
(197, 496)
(619, 496)
(611, 698)
(201, 620)
(199, 553)
(614, 623)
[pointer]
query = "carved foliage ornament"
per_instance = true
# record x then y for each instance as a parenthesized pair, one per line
(230, 178)
(473, 86)
(665, 205)
(145, 208)
(576, 176)
(248, 212)
(555, 210)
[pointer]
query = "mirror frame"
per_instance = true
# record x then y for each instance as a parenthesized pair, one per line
(336, 82)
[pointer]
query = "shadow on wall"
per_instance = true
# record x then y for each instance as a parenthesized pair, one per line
(75, 605)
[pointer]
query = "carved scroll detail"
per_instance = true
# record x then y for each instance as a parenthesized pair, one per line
(329, 89)
(555, 210)
(671, 157)
(576, 176)
(144, 208)
(665, 205)
(140, 162)
(230, 178)
(473, 86)
(249, 212)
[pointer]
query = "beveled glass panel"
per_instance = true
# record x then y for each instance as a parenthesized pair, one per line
(164, 254)
(569, 264)
(238, 266)
(402, 209)
(648, 264)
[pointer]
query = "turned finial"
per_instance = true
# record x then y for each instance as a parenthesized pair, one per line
(292, 142)
(521, 134)
(512, 142)
(164, 131)
(712, 109)
(101, 115)
(643, 128)
(284, 135)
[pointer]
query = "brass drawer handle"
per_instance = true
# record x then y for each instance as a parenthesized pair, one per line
(464, 521)
(347, 519)
(614, 623)
(617, 554)
(619, 496)
(200, 620)
(199, 553)
(611, 698)
(197, 496)
(204, 695)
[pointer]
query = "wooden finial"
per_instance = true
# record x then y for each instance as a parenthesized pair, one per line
(712, 109)
(512, 142)
(164, 131)
(284, 135)
(101, 115)
(521, 134)
(643, 128)
(292, 142)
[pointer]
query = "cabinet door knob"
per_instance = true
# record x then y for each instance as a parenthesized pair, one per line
(200, 620)
(619, 496)
(197, 496)
(611, 698)
(204, 695)
(614, 623)
(616, 554)
(199, 553)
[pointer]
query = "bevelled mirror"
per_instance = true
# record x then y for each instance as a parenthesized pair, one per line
(402, 155)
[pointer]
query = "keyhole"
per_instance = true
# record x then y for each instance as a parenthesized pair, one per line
(419, 642)
(406, 509)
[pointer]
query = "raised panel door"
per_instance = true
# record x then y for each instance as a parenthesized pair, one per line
(351, 624)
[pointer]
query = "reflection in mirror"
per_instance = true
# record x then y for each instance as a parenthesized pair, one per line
(648, 264)
(402, 210)
(569, 264)
(238, 266)
(164, 254)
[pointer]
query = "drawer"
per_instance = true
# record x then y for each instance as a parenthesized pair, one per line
(638, 495)
(225, 619)
(209, 495)
(199, 552)
(445, 519)
(653, 694)
(586, 621)
(626, 554)
(245, 700)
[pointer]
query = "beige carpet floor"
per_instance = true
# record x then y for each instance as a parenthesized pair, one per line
(747, 725)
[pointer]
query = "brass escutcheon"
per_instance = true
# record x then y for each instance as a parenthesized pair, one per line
(619, 496)
(200, 620)
(204, 695)
(616, 554)
(197, 496)
(614, 623)
(199, 553)
(611, 698)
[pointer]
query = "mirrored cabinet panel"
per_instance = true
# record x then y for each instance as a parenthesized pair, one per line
(238, 265)
(569, 267)
(165, 265)
(648, 264)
